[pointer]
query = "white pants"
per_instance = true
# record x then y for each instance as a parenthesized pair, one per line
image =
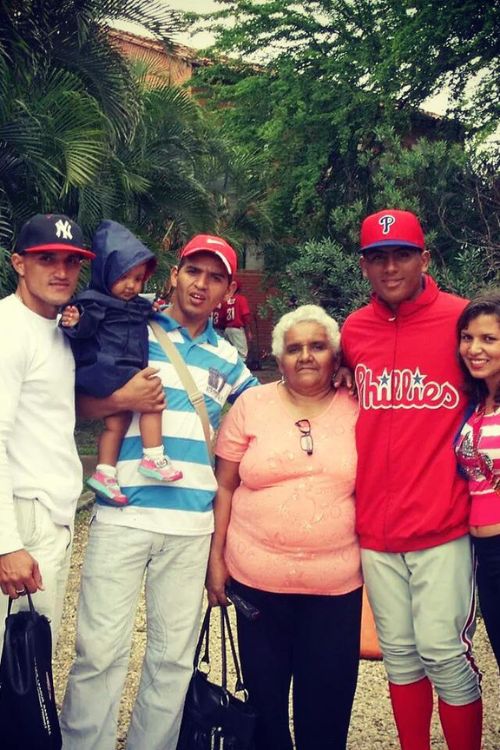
(116, 560)
(50, 545)
(424, 606)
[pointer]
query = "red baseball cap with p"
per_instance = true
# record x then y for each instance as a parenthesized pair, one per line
(51, 233)
(391, 227)
(209, 243)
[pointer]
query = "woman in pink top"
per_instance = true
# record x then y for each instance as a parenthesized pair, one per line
(478, 448)
(284, 535)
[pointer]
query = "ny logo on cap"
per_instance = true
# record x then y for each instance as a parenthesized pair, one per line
(386, 221)
(63, 229)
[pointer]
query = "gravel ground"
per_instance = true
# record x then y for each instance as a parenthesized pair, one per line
(372, 727)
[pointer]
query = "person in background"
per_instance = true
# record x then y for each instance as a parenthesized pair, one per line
(107, 325)
(40, 472)
(219, 319)
(284, 537)
(162, 536)
(478, 448)
(412, 507)
(234, 319)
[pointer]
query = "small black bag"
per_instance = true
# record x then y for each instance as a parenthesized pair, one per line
(213, 718)
(28, 713)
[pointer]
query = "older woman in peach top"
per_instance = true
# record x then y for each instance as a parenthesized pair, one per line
(284, 538)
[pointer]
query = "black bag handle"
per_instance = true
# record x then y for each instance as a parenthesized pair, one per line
(239, 687)
(13, 666)
(223, 647)
(30, 602)
(203, 640)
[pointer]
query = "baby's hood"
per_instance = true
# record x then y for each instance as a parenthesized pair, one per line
(117, 251)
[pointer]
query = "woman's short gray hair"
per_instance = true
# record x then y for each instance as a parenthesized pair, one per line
(303, 314)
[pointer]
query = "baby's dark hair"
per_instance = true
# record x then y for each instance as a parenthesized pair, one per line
(486, 303)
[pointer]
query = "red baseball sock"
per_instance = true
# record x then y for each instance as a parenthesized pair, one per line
(462, 725)
(412, 708)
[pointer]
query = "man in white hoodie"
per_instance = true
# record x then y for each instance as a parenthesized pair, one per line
(40, 472)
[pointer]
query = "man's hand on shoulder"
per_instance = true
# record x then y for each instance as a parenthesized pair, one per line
(19, 571)
(344, 377)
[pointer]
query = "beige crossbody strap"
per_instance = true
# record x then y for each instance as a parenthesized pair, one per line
(192, 391)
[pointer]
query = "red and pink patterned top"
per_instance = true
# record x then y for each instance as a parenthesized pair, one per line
(478, 453)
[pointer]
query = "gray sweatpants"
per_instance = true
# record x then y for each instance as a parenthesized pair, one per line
(424, 607)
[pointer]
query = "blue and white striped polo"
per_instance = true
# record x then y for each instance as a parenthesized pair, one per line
(182, 507)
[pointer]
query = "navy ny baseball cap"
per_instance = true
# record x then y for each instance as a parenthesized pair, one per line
(54, 233)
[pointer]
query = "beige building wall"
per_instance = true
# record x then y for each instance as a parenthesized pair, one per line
(176, 65)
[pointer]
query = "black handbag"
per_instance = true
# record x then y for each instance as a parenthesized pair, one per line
(213, 718)
(28, 712)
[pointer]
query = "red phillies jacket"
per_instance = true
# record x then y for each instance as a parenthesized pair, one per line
(409, 495)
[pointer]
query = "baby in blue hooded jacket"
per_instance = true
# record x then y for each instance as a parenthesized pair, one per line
(108, 331)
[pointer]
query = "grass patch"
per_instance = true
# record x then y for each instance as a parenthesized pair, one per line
(86, 434)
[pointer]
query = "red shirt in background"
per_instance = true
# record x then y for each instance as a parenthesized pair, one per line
(219, 317)
(233, 313)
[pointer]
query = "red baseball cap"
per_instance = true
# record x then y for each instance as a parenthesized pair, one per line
(391, 227)
(55, 233)
(208, 243)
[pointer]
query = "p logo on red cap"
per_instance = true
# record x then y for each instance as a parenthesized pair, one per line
(391, 227)
(386, 223)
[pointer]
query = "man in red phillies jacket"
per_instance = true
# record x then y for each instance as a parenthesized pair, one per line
(411, 504)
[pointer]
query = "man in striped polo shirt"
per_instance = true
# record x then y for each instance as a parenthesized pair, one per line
(164, 532)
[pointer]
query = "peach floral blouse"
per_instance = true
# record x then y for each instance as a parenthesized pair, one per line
(292, 517)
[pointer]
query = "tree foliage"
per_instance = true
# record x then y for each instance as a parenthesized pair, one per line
(331, 101)
(87, 132)
(321, 274)
(400, 50)
(67, 99)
